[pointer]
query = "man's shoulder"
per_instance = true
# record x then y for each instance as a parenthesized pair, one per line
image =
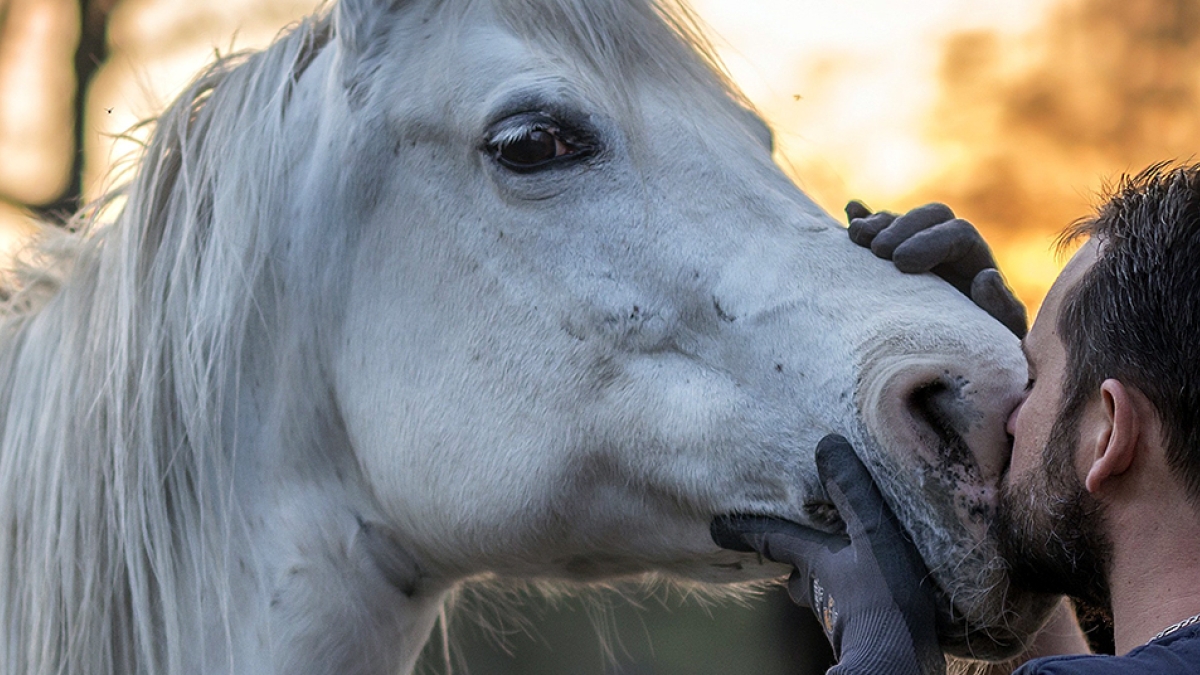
(1176, 654)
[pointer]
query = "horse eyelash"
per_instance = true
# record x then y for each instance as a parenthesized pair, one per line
(514, 133)
(515, 127)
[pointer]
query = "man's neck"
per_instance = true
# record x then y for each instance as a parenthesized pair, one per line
(1154, 570)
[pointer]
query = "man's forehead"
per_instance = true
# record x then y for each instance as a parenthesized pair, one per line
(1070, 275)
(1081, 262)
(1046, 324)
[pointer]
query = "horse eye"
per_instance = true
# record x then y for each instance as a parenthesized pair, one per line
(534, 147)
(540, 145)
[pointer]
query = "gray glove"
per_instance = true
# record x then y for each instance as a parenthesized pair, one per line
(930, 239)
(871, 592)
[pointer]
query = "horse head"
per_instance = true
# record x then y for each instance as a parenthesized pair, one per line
(586, 312)
(449, 289)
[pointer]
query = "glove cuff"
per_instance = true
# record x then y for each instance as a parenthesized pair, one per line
(879, 643)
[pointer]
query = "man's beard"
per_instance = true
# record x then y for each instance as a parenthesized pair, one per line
(1049, 527)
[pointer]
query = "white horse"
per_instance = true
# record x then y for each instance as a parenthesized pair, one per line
(436, 289)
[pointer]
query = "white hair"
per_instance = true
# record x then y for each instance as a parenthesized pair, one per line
(121, 343)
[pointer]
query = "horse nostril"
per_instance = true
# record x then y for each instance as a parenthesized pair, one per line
(924, 405)
(939, 408)
(949, 415)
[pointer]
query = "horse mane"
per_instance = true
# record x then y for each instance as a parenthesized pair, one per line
(665, 38)
(120, 341)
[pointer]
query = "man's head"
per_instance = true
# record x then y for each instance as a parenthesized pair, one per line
(1118, 327)
(1135, 315)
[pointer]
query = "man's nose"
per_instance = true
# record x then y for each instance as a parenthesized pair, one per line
(1011, 425)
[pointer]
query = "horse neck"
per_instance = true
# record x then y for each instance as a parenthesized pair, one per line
(315, 572)
(297, 576)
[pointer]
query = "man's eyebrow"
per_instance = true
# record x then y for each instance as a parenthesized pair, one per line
(1025, 353)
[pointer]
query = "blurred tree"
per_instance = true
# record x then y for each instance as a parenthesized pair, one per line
(90, 52)
(50, 51)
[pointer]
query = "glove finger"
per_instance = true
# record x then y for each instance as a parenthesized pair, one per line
(873, 527)
(864, 230)
(954, 242)
(855, 210)
(904, 227)
(774, 538)
(989, 291)
(853, 490)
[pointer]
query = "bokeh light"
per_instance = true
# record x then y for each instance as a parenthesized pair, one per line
(37, 93)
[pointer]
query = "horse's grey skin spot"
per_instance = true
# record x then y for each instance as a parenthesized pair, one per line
(573, 331)
(604, 372)
(721, 313)
(950, 414)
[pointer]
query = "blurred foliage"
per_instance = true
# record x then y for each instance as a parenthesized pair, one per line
(1030, 125)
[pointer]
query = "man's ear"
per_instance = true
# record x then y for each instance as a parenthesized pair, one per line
(1111, 440)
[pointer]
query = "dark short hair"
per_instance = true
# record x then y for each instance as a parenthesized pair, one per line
(1135, 315)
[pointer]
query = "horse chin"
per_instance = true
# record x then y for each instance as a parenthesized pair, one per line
(995, 641)
(986, 618)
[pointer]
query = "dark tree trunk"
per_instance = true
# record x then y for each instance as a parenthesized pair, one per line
(90, 53)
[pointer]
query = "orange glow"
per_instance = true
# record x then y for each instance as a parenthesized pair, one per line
(1014, 112)
(15, 229)
(1039, 122)
(157, 47)
(864, 108)
(37, 48)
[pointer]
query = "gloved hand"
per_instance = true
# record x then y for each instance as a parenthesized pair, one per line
(930, 239)
(871, 592)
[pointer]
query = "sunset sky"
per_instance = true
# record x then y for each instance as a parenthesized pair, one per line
(1014, 112)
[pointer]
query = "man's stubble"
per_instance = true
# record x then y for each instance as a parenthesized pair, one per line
(1049, 528)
